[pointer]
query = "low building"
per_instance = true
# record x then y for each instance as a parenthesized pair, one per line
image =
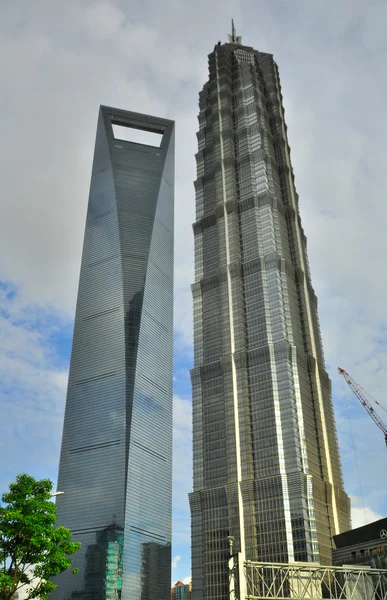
(365, 545)
(182, 591)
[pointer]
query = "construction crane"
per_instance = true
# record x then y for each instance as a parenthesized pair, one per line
(361, 395)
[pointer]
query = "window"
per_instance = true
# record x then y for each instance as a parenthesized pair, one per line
(127, 133)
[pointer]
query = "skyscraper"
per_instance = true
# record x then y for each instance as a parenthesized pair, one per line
(266, 462)
(116, 457)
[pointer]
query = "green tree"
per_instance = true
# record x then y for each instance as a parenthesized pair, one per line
(32, 548)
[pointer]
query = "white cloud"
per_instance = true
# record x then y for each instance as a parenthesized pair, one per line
(182, 468)
(103, 19)
(374, 30)
(63, 59)
(363, 515)
(175, 560)
(187, 580)
(32, 390)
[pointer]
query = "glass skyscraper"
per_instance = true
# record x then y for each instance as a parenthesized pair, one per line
(267, 470)
(116, 457)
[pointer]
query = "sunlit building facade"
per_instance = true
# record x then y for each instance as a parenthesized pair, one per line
(116, 458)
(181, 591)
(267, 474)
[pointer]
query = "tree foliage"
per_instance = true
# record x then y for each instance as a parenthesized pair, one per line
(32, 548)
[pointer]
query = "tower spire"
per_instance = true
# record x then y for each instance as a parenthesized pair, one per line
(234, 38)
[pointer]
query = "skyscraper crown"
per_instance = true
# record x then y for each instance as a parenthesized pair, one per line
(234, 38)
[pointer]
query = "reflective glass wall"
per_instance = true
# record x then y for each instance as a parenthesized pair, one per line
(116, 457)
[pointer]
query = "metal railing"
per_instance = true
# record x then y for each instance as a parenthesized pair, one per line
(313, 581)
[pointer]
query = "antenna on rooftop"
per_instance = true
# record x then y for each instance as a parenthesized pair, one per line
(234, 38)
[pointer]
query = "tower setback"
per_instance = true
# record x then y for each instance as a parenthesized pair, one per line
(267, 470)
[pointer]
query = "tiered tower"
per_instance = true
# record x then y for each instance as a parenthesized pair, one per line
(266, 461)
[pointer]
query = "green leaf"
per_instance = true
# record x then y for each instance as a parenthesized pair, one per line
(32, 548)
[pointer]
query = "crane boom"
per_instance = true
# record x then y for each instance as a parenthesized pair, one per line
(362, 396)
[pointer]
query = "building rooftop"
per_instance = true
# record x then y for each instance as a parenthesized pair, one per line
(366, 533)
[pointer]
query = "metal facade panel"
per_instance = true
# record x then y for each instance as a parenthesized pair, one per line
(262, 408)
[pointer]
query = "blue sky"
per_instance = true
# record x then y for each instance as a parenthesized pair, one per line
(64, 59)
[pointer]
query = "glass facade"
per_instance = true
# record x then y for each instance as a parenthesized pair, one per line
(181, 591)
(116, 457)
(266, 461)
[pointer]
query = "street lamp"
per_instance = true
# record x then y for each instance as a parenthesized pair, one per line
(56, 494)
(231, 568)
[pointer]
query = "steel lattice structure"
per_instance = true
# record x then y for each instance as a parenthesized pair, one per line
(363, 398)
(300, 580)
